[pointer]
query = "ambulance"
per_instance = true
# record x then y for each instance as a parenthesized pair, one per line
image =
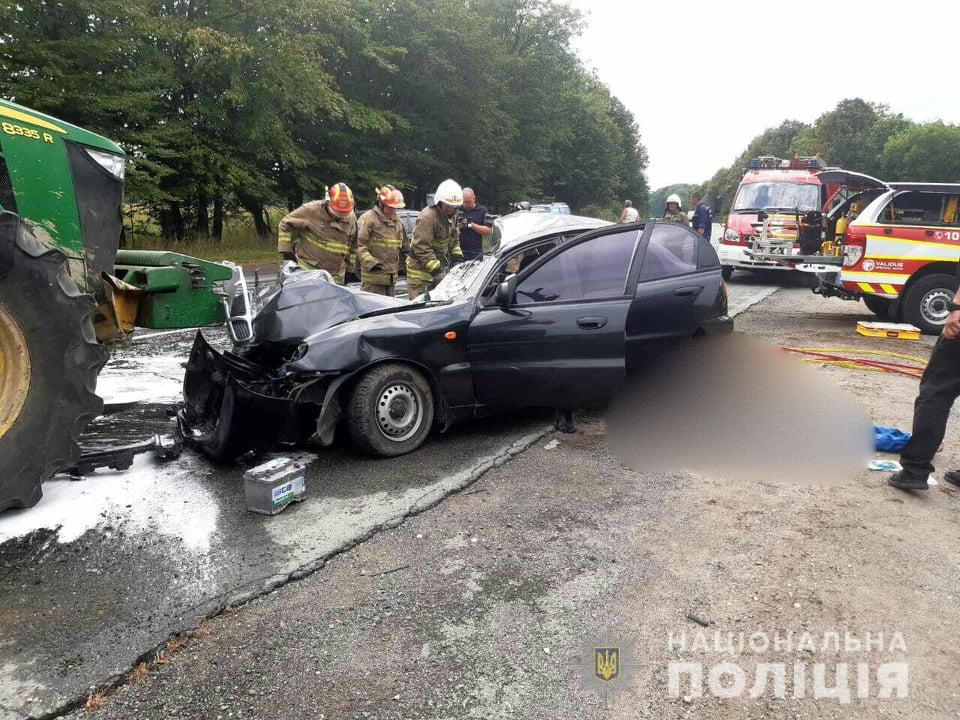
(899, 255)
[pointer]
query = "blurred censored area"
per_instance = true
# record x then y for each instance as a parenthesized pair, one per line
(734, 407)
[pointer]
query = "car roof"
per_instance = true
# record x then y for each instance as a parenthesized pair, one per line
(951, 188)
(517, 227)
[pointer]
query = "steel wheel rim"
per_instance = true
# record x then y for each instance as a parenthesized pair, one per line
(14, 371)
(399, 411)
(933, 306)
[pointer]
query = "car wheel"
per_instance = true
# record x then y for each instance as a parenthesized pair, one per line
(925, 303)
(726, 271)
(391, 410)
(879, 306)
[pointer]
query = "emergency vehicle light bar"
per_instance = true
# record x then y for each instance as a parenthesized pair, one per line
(770, 162)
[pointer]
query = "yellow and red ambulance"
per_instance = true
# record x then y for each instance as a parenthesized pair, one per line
(901, 253)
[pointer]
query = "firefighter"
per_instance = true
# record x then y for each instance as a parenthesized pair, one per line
(379, 239)
(435, 246)
(674, 214)
(322, 234)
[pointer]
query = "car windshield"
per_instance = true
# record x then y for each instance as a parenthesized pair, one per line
(458, 281)
(777, 195)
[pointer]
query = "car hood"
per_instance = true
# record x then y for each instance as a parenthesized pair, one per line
(307, 304)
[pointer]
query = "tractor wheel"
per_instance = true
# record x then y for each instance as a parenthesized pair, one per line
(49, 362)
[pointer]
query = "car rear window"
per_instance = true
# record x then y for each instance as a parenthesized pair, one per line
(589, 270)
(921, 208)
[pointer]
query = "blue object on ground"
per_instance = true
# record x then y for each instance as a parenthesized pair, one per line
(889, 439)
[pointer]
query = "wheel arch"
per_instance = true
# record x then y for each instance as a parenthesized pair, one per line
(934, 268)
(342, 387)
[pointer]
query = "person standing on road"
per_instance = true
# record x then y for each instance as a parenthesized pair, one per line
(322, 234)
(379, 239)
(674, 213)
(702, 222)
(939, 389)
(630, 214)
(435, 246)
(472, 228)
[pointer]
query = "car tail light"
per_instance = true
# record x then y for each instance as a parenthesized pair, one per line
(854, 246)
(731, 236)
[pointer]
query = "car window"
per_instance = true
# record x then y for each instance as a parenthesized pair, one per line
(589, 270)
(920, 208)
(672, 251)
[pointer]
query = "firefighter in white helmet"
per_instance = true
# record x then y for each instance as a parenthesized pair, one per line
(674, 213)
(436, 245)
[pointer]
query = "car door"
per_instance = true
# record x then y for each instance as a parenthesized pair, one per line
(559, 341)
(677, 285)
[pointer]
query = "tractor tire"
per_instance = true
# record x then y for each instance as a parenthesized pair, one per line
(390, 411)
(925, 302)
(49, 362)
(879, 306)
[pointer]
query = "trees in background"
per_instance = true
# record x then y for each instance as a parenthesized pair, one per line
(856, 135)
(225, 105)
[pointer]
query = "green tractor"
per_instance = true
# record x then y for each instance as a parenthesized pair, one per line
(66, 288)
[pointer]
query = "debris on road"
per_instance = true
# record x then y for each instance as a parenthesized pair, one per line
(551, 445)
(882, 465)
(898, 331)
(704, 622)
(888, 439)
(270, 487)
(120, 457)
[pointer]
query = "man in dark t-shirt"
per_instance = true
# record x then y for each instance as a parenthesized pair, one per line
(472, 231)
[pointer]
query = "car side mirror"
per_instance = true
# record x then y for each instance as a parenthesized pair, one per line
(503, 297)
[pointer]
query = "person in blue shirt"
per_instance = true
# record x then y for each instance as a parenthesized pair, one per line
(701, 222)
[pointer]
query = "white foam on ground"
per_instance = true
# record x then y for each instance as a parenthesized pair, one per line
(164, 499)
(153, 379)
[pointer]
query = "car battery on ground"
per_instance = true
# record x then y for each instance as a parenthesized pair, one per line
(899, 331)
(270, 487)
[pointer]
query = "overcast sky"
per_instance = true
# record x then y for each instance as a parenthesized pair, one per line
(704, 78)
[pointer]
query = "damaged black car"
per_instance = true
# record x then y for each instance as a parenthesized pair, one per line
(554, 317)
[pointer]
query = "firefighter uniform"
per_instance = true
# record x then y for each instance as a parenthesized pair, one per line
(319, 239)
(379, 240)
(434, 248)
(679, 217)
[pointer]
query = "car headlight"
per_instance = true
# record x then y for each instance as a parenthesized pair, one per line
(111, 162)
(731, 235)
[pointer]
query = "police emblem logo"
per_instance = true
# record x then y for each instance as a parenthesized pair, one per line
(607, 663)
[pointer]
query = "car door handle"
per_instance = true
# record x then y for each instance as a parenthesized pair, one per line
(888, 231)
(689, 291)
(591, 323)
(929, 233)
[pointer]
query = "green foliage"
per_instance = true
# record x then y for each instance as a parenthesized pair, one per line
(856, 135)
(774, 141)
(245, 105)
(924, 153)
(851, 136)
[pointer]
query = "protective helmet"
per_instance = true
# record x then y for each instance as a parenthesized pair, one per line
(449, 192)
(675, 198)
(341, 200)
(390, 196)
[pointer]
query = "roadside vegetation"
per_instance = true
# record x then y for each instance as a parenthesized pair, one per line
(856, 135)
(227, 108)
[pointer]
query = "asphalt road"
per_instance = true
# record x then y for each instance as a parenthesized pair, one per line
(105, 570)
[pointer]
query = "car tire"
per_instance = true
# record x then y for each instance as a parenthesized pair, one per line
(924, 304)
(879, 306)
(726, 271)
(390, 411)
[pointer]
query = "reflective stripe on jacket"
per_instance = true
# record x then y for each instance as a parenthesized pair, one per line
(434, 246)
(379, 240)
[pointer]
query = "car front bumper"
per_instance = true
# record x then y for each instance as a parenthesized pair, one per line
(738, 256)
